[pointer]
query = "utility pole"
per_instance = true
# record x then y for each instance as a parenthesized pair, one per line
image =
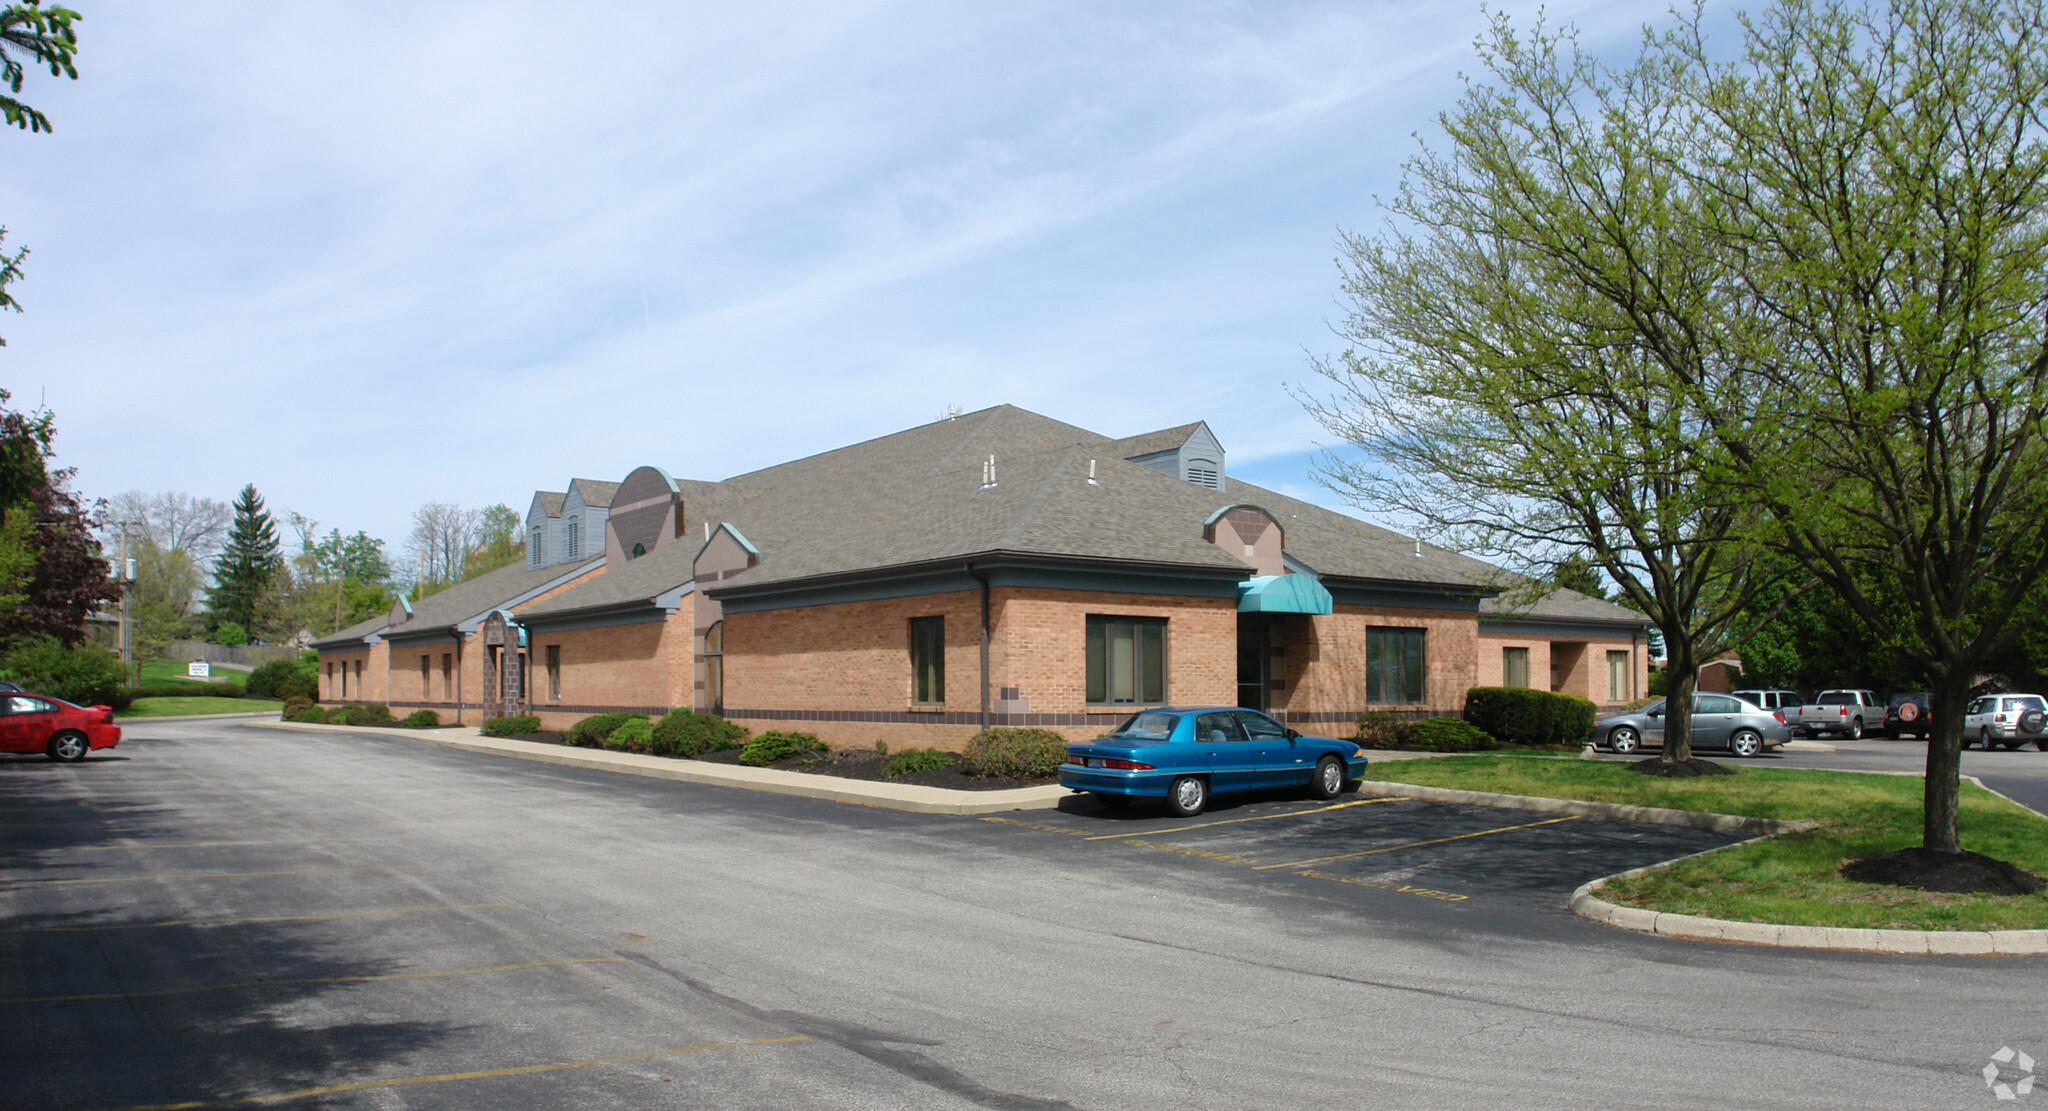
(124, 573)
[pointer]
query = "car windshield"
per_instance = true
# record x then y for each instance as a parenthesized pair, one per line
(1152, 725)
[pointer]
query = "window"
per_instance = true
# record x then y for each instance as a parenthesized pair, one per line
(714, 667)
(571, 532)
(1514, 667)
(638, 551)
(359, 678)
(447, 677)
(1618, 676)
(928, 661)
(426, 667)
(1715, 704)
(1259, 727)
(554, 673)
(1126, 659)
(1217, 729)
(344, 679)
(1393, 665)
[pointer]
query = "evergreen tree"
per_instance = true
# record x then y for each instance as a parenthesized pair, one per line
(247, 565)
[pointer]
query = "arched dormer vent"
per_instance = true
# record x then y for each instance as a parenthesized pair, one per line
(646, 512)
(1251, 534)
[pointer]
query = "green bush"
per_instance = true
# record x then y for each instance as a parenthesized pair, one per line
(631, 736)
(86, 674)
(591, 731)
(285, 679)
(1446, 735)
(772, 746)
(914, 760)
(124, 697)
(1014, 753)
(374, 713)
(230, 634)
(295, 706)
(311, 714)
(686, 733)
(192, 688)
(421, 719)
(517, 725)
(1522, 715)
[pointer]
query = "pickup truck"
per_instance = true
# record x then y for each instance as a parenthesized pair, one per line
(1846, 712)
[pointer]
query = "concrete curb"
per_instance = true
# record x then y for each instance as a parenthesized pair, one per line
(913, 798)
(1695, 819)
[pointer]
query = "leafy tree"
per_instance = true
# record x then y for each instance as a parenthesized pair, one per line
(500, 540)
(160, 599)
(249, 563)
(43, 37)
(230, 634)
(1506, 384)
(47, 530)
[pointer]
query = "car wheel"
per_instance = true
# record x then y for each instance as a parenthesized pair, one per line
(1746, 743)
(1856, 729)
(1984, 739)
(1328, 782)
(1112, 802)
(69, 746)
(1187, 796)
(1624, 740)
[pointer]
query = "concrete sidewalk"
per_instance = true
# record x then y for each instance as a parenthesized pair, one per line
(911, 797)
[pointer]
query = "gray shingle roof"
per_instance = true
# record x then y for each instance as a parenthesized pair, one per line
(916, 497)
(354, 633)
(594, 492)
(480, 595)
(551, 503)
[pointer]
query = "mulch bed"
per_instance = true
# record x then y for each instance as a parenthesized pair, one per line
(1681, 769)
(858, 764)
(1953, 873)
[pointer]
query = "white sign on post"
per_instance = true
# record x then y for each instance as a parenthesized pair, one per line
(199, 669)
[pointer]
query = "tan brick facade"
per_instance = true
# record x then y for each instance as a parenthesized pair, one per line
(1325, 658)
(644, 667)
(357, 676)
(1574, 665)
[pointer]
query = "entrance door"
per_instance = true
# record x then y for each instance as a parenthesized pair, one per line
(1251, 663)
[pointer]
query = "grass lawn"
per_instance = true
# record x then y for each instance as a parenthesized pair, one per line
(182, 707)
(171, 673)
(1792, 878)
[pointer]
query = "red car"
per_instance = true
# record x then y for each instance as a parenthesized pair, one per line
(40, 723)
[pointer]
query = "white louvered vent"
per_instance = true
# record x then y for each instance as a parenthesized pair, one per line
(569, 542)
(1205, 476)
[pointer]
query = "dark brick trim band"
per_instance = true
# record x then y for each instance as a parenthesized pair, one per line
(929, 717)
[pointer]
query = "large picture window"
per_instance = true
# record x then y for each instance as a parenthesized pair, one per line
(928, 661)
(1393, 665)
(1126, 659)
(1617, 676)
(554, 666)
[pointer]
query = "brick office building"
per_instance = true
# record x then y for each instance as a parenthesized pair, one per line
(998, 567)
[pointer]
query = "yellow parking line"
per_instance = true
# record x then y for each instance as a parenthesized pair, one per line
(313, 980)
(443, 1078)
(1417, 844)
(233, 921)
(222, 875)
(1234, 821)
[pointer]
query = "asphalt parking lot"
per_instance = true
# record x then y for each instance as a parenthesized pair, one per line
(217, 917)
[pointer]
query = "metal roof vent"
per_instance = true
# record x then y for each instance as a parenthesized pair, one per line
(988, 474)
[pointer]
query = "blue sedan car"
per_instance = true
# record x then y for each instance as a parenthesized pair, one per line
(1186, 755)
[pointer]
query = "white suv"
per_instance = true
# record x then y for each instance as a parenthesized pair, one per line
(1769, 699)
(2007, 719)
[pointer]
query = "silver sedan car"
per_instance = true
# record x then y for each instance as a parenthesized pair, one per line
(1718, 721)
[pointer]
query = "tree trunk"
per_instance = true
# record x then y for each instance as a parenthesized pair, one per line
(1681, 670)
(1940, 818)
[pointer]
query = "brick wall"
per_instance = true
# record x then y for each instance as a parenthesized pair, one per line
(371, 687)
(1325, 661)
(1574, 665)
(643, 667)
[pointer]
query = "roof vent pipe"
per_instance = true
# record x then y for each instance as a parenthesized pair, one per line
(988, 474)
(1091, 474)
(1418, 547)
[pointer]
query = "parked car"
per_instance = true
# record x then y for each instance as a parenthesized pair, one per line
(40, 723)
(10, 688)
(2007, 719)
(1847, 712)
(1908, 713)
(1185, 756)
(1774, 700)
(1718, 721)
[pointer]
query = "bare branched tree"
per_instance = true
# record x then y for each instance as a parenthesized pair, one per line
(442, 534)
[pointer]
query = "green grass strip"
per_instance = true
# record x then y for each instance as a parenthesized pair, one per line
(1792, 878)
(185, 707)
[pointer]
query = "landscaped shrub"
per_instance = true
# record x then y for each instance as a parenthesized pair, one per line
(375, 713)
(1381, 729)
(295, 706)
(518, 725)
(311, 714)
(1446, 735)
(914, 760)
(772, 746)
(631, 735)
(86, 674)
(286, 679)
(1015, 753)
(685, 733)
(421, 719)
(189, 688)
(591, 731)
(1522, 715)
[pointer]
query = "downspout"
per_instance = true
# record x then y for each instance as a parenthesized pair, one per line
(456, 632)
(982, 578)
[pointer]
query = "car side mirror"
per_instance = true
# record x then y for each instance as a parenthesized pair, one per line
(1291, 734)
(1656, 713)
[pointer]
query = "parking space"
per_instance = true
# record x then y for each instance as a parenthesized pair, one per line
(1377, 848)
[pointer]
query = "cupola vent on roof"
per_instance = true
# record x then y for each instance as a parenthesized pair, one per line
(1190, 453)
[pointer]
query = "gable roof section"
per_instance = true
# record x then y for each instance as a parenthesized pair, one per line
(594, 492)
(548, 502)
(1152, 443)
(356, 635)
(447, 610)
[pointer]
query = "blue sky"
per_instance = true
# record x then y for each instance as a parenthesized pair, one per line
(370, 255)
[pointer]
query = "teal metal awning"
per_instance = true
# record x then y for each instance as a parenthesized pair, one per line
(1283, 594)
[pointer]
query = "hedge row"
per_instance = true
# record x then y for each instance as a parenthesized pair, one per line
(1380, 729)
(1521, 715)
